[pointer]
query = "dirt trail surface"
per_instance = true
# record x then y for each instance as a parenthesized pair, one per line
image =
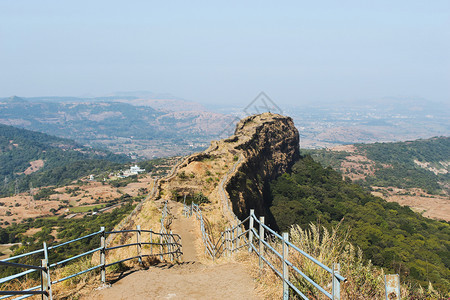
(184, 281)
(185, 227)
(188, 280)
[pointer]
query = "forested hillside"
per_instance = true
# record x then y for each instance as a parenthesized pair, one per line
(392, 236)
(423, 164)
(29, 157)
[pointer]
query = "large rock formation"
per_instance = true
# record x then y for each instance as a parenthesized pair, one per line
(269, 145)
(240, 167)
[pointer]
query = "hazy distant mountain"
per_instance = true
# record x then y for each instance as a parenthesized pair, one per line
(171, 126)
(155, 124)
(13, 99)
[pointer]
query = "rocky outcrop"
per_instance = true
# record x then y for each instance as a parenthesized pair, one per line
(240, 167)
(269, 146)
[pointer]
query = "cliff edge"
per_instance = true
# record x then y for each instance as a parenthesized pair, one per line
(269, 145)
(237, 170)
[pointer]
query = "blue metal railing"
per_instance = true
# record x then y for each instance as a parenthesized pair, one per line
(171, 246)
(288, 266)
(194, 209)
(254, 239)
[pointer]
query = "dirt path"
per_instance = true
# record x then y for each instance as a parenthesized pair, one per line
(185, 281)
(189, 280)
(185, 227)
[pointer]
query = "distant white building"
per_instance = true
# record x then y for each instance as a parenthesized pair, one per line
(133, 171)
(136, 170)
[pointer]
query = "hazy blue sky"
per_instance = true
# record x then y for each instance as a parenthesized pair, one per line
(227, 51)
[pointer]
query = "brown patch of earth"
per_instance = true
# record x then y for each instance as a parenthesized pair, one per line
(357, 167)
(34, 166)
(5, 250)
(345, 148)
(32, 231)
(22, 206)
(430, 206)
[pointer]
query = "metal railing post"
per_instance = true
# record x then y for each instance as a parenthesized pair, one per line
(170, 246)
(250, 232)
(238, 237)
(151, 242)
(336, 283)
(49, 281)
(227, 241)
(232, 241)
(44, 281)
(161, 246)
(102, 254)
(285, 255)
(138, 241)
(392, 286)
(261, 238)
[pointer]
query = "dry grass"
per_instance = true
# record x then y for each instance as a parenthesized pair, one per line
(268, 284)
(364, 281)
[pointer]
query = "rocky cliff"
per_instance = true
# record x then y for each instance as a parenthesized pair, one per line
(240, 167)
(269, 145)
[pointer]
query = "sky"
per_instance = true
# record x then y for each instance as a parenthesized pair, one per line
(226, 52)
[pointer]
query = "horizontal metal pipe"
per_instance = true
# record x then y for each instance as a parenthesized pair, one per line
(245, 245)
(241, 223)
(75, 257)
(6, 279)
(308, 279)
(144, 230)
(255, 234)
(121, 246)
(29, 289)
(75, 240)
(296, 290)
(23, 297)
(244, 233)
(76, 274)
(10, 264)
(272, 231)
(22, 292)
(254, 249)
(273, 249)
(341, 278)
(23, 255)
(120, 231)
(273, 268)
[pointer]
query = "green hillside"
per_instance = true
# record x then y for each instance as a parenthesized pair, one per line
(392, 236)
(414, 164)
(64, 160)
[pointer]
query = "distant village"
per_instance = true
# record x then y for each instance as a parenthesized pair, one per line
(134, 170)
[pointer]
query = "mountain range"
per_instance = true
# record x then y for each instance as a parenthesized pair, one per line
(127, 126)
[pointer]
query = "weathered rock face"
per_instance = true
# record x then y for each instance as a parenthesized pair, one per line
(262, 148)
(269, 146)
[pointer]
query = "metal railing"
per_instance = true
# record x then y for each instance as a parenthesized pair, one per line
(164, 237)
(263, 246)
(194, 209)
(170, 247)
(251, 234)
